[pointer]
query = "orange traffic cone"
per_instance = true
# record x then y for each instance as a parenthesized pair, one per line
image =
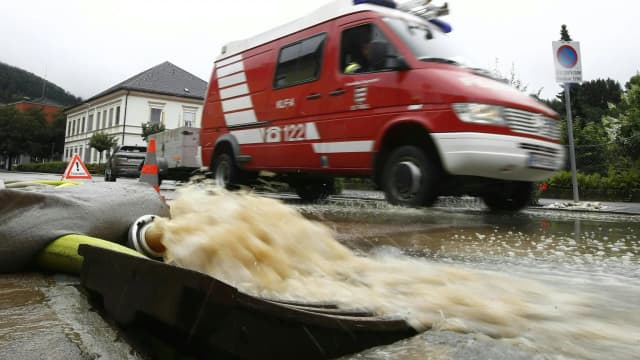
(149, 172)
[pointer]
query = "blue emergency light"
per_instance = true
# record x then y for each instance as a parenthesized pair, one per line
(385, 3)
(444, 26)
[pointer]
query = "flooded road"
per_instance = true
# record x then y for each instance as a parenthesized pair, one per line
(590, 258)
(541, 284)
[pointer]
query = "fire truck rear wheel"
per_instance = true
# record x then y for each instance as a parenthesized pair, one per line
(224, 170)
(512, 196)
(410, 178)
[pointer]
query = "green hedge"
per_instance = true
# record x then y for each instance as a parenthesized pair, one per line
(57, 167)
(617, 184)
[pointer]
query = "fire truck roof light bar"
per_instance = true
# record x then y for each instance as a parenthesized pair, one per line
(421, 8)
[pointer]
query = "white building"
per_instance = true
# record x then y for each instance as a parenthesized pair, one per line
(164, 94)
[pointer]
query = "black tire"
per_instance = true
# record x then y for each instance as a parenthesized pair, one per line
(224, 171)
(410, 178)
(108, 175)
(512, 196)
(314, 190)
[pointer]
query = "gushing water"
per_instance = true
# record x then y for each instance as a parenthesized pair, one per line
(268, 249)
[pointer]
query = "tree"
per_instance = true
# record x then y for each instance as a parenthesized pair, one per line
(629, 120)
(12, 135)
(635, 80)
(150, 129)
(102, 141)
(592, 99)
(592, 148)
(33, 122)
(23, 133)
(56, 134)
(564, 33)
(593, 103)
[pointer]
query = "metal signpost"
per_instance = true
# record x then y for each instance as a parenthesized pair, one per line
(566, 55)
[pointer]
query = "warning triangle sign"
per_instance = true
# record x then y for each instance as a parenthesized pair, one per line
(76, 169)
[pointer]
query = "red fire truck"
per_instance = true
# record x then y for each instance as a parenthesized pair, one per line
(370, 88)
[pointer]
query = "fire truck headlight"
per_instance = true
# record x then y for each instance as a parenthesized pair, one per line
(480, 113)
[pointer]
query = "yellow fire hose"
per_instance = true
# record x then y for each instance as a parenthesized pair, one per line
(61, 255)
(56, 183)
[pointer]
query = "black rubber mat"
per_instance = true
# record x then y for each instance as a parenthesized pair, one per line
(207, 318)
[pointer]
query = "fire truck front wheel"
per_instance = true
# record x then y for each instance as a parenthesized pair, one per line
(410, 177)
(512, 196)
(224, 170)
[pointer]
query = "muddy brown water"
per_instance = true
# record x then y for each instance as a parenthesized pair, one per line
(588, 256)
(536, 285)
(545, 285)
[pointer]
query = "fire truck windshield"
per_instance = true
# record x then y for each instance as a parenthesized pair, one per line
(426, 42)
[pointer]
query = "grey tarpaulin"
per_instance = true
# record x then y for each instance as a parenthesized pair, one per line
(29, 220)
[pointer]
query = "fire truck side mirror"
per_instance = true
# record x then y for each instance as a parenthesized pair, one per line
(398, 63)
(378, 51)
(380, 59)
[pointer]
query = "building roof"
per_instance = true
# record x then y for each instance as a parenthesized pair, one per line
(163, 79)
(39, 101)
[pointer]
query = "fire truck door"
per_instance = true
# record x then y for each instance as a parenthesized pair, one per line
(359, 93)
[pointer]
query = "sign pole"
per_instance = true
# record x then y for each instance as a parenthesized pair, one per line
(572, 153)
(567, 58)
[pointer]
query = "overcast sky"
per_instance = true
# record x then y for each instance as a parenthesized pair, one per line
(86, 46)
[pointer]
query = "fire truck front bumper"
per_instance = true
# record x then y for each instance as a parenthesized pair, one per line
(498, 156)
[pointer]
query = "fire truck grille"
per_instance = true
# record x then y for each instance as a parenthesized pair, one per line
(540, 149)
(532, 123)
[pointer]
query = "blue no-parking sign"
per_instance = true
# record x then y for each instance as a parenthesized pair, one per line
(566, 55)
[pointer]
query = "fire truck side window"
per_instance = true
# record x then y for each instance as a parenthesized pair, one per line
(354, 52)
(299, 62)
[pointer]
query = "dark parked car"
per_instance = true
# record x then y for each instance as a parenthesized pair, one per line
(125, 161)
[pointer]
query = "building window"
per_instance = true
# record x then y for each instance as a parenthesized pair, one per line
(104, 119)
(83, 123)
(90, 123)
(98, 121)
(68, 127)
(156, 112)
(189, 116)
(111, 117)
(78, 126)
(299, 62)
(156, 116)
(117, 115)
